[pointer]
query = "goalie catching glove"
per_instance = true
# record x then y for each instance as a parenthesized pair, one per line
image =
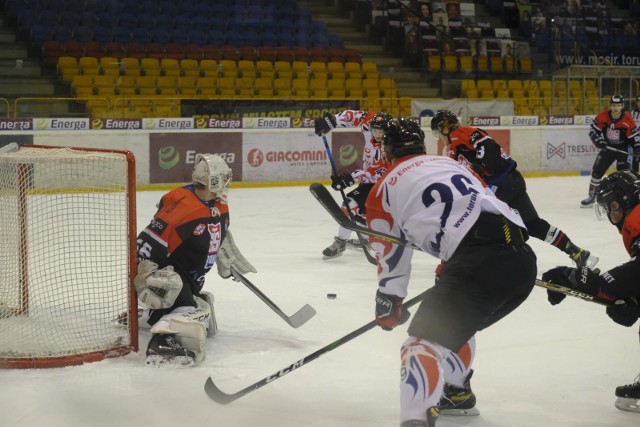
(229, 256)
(157, 288)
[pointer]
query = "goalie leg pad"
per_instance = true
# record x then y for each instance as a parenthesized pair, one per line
(190, 325)
(207, 301)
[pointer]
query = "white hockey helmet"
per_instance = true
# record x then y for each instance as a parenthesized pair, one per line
(213, 172)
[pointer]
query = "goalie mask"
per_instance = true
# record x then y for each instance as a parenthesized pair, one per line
(213, 172)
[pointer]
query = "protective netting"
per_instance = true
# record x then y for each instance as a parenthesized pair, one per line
(64, 252)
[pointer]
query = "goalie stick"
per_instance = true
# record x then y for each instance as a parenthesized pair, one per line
(367, 250)
(296, 320)
(326, 200)
(224, 398)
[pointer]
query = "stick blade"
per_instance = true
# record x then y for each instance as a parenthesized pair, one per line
(301, 316)
(216, 394)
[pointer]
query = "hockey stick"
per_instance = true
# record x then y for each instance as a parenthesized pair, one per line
(629, 153)
(370, 257)
(224, 398)
(296, 320)
(327, 201)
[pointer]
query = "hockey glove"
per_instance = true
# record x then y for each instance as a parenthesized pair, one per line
(599, 142)
(157, 288)
(229, 256)
(624, 313)
(581, 279)
(341, 182)
(389, 311)
(325, 124)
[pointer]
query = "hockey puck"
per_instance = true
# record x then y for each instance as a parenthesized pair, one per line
(331, 296)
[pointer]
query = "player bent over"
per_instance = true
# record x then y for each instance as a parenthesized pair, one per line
(373, 166)
(188, 235)
(618, 199)
(475, 149)
(443, 208)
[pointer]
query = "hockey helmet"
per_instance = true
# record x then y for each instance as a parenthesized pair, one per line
(616, 99)
(402, 138)
(442, 119)
(622, 187)
(213, 172)
(380, 121)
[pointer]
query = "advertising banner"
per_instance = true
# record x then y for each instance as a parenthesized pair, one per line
(171, 155)
(15, 124)
(461, 107)
(566, 150)
(225, 108)
(284, 156)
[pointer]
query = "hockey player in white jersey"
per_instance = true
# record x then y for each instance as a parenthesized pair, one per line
(373, 166)
(442, 207)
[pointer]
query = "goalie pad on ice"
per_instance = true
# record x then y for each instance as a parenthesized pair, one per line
(157, 288)
(190, 324)
(229, 256)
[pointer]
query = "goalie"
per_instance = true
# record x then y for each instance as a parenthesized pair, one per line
(188, 235)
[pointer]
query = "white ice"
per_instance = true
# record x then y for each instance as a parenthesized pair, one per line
(540, 366)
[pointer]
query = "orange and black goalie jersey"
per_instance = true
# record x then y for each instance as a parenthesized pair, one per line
(475, 149)
(186, 233)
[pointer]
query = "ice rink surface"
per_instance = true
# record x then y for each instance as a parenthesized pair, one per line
(540, 366)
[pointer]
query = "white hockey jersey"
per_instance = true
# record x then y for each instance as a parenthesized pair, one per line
(373, 163)
(432, 202)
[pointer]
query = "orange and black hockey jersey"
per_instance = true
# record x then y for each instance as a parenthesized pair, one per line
(623, 281)
(474, 148)
(186, 233)
(618, 133)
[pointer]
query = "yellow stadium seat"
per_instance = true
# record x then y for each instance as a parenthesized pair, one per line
(82, 86)
(482, 64)
(130, 66)
(283, 69)
(336, 70)
(67, 67)
(110, 65)
(370, 70)
(353, 70)
(89, 65)
(187, 86)
(499, 84)
(170, 67)
(434, 63)
(450, 63)
(466, 63)
(104, 82)
(209, 68)
(150, 66)
(227, 87)
(167, 85)
(228, 68)
(207, 86)
(300, 69)
(266, 69)
(496, 64)
(189, 67)
(319, 70)
(246, 69)
(264, 87)
(147, 85)
(300, 88)
(126, 86)
(244, 87)
(282, 87)
(525, 66)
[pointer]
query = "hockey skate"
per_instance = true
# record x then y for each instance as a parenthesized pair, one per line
(336, 249)
(588, 202)
(432, 416)
(628, 397)
(459, 400)
(583, 258)
(164, 350)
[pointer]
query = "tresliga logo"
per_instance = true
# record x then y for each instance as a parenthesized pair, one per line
(255, 157)
(559, 151)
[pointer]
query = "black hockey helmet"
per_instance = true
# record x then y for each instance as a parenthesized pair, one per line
(616, 99)
(380, 121)
(441, 119)
(622, 187)
(403, 137)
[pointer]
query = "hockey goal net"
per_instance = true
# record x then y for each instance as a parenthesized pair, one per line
(67, 251)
